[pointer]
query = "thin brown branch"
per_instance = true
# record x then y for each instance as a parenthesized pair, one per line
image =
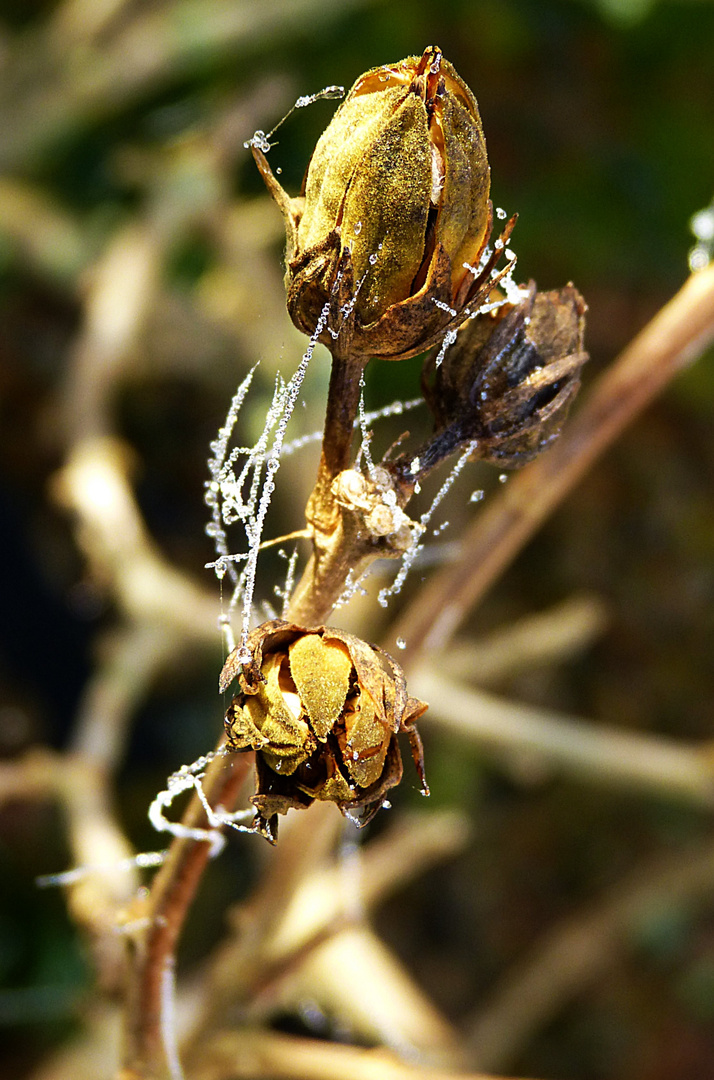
(337, 549)
(346, 535)
(303, 903)
(159, 925)
(579, 950)
(676, 336)
(96, 840)
(254, 1055)
(341, 410)
(536, 641)
(607, 755)
(343, 543)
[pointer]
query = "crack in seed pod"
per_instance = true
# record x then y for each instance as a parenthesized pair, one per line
(394, 211)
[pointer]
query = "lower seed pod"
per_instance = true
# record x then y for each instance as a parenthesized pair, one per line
(322, 710)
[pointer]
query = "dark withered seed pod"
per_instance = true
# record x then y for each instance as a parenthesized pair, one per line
(394, 215)
(508, 380)
(322, 710)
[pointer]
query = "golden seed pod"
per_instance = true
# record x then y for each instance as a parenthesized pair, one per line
(322, 709)
(395, 203)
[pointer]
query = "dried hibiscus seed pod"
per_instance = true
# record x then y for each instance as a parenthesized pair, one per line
(395, 204)
(322, 709)
(507, 382)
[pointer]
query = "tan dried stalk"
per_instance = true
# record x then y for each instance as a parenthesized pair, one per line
(159, 923)
(270, 1056)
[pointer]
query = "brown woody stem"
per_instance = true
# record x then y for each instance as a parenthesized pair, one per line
(342, 403)
(337, 549)
(146, 1055)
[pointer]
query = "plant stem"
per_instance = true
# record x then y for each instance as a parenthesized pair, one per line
(342, 403)
(338, 548)
(146, 1054)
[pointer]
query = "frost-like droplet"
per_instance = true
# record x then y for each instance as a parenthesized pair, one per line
(259, 140)
(244, 655)
(500, 212)
(502, 478)
(358, 228)
(702, 224)
(401, 643)
(476, 496)
(698, 257)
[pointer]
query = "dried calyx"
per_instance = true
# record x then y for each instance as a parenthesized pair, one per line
(322, 709)
(393, 224)
(506, 383)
